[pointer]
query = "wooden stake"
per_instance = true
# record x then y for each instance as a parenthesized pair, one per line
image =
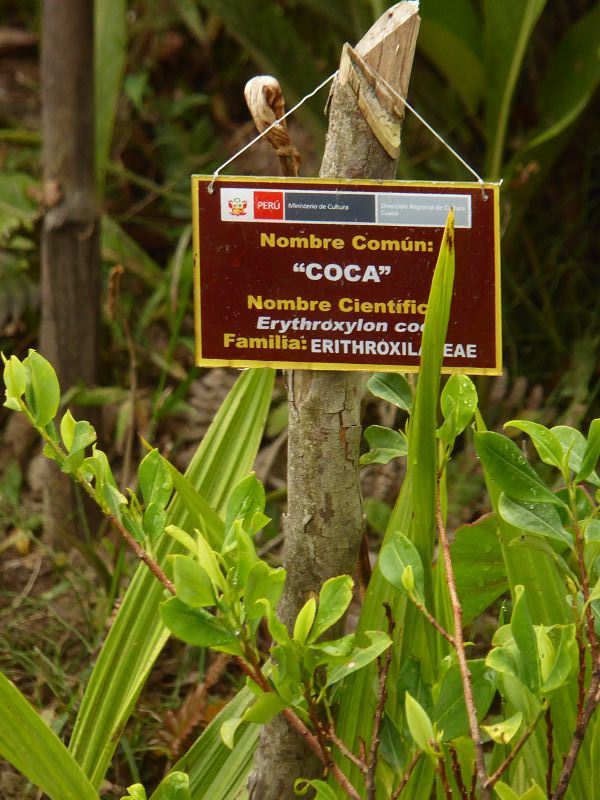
(324, 523)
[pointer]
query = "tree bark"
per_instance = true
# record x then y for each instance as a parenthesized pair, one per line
(70, 233)
(324, 523)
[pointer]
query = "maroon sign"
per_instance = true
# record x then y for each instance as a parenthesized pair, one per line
(312, 274)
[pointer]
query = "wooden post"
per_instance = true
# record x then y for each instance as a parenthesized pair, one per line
(70, 235)
(324, 523)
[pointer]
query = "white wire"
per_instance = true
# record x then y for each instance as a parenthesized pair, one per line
(266, 130)
(210, 187)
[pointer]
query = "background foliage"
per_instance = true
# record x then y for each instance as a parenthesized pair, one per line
(510, 85)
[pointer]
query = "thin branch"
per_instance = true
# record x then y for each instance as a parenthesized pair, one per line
(461, 655)
(384, 667)
(582, 665)
(585, 584)
(516, 749)
(456, 770)
(473, 785)
(430, 618)
(549, 750)
(346, 752)
(591, 703)
(152, 565)
(441, 770)
(406, 777)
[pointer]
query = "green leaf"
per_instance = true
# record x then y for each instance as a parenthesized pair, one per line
(322, 790)
(133, 524)
(15, 380)
(208, 560)
(508, 28)
(591, 452)
(263, 582)
(525, 639)
(277, 629)
(154, 521)
(545, 442)
(450, 37)
(67, 432)
(479, 567)
(419, 724)
(176, 786)
(304, 620)
(458, 403)
(507, 467)
(571, 80)
(194, 587)
(563, 664)
(393, 387)
(574, 446)
(504, 791)
(267, 706)
(83, 436)
(155, 479)
(195, 625)
(137, 792)
(396, 555)
(329, 653)
(228, 731)
(533, 541)
(334, 599)
(110, 48)
(42, 391)
(33, 749)
(539, 518)
(386, 444)
(361, 657)
(450, 713)
(183, 538)
(200, 513)
(503, 732)
(534, 793)
(247, 498)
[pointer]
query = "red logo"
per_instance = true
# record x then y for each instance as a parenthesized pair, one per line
(268, 205)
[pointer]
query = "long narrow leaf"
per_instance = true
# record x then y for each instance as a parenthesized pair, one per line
(138, 635)
(508, 28)
(30, 746)
(215, 771)
(413, 514)
(110, 56)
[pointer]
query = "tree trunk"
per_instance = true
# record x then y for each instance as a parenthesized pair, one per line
(324, 523)
(70, 235)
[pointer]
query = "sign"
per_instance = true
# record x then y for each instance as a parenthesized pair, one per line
(306, 273)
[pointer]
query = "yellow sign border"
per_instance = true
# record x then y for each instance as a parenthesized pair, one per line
(198, 180)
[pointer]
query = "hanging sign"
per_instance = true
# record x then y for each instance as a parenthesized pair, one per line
(317, 274)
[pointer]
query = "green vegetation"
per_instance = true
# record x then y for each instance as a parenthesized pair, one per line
(95, 701)
(430, 702)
